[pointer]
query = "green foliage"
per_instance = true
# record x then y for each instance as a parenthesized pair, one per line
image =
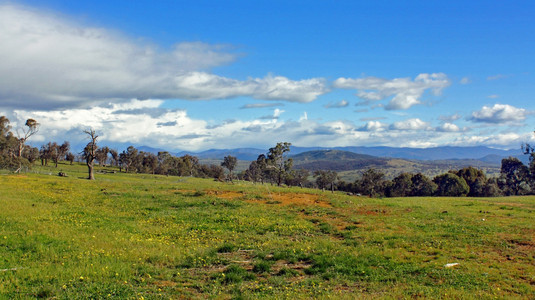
(451, 185)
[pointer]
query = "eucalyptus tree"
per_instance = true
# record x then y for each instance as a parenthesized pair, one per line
(278, 162)
(230, 163)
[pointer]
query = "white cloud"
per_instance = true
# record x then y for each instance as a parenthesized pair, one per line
(175, 129)
(501, 139)
(406, 92)
(49, 61)
(339, 104)
(499, 113)
(494, 96)
(374, 126)
(410, 124)
(448, 127)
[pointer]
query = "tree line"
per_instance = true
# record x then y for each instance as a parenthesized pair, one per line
(273, 167)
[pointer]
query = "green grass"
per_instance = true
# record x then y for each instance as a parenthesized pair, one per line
(153, 237)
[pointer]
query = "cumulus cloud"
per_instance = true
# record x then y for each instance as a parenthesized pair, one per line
(174, 129)
(339, 104)
(48, 61)
(373, 126)
(499, 113)
(448, 127)
(410, 124)
(406, 92)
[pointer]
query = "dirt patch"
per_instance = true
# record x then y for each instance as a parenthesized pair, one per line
(297, 199)
(298, 266)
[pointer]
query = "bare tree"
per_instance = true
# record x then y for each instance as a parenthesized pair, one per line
(90, 152)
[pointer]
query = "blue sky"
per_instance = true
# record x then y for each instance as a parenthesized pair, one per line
(223, 74)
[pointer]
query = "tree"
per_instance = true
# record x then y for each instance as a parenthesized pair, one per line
(33, 128)
(253, 173)
(514, 177)
(114, 157)
(401, 186)
(190, 164)
(298, 177)
(371, 183)
(475, 179)
(57, 152)
(89, 152)
(278, 162)
(422, 186)
(128, 158)
(262, 165)
(451, 185)
(102, 155)
(325, 179)
(149, 162)
(229, 162)
(69, 157)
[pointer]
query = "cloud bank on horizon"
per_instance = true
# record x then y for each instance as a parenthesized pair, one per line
(70, 76)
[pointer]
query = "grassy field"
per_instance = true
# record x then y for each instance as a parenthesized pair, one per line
(128, 236)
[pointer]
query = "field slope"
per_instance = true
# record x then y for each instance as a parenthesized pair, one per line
(153, 237)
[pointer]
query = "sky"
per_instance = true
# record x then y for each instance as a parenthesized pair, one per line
(199, 75)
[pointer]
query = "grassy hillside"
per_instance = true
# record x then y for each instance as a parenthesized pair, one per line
(152, 237)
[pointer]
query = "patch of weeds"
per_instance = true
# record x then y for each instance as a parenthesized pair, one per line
(235, 274)
(326, 228)
(291, 256)
(227, 203)
(258, 197)
(287, 272)
(226, 248)
(320, 264)
(262, 267)
(350, 227)
(44, 292)
(199, 194)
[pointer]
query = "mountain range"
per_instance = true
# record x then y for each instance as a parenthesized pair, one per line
(482, 153)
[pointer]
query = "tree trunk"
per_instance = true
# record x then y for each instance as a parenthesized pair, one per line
(21, 146)
(90, 170)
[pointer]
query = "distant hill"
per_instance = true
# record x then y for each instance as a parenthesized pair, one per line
(486, 154)
(435, 153)
(350, 165)
(336, 160)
